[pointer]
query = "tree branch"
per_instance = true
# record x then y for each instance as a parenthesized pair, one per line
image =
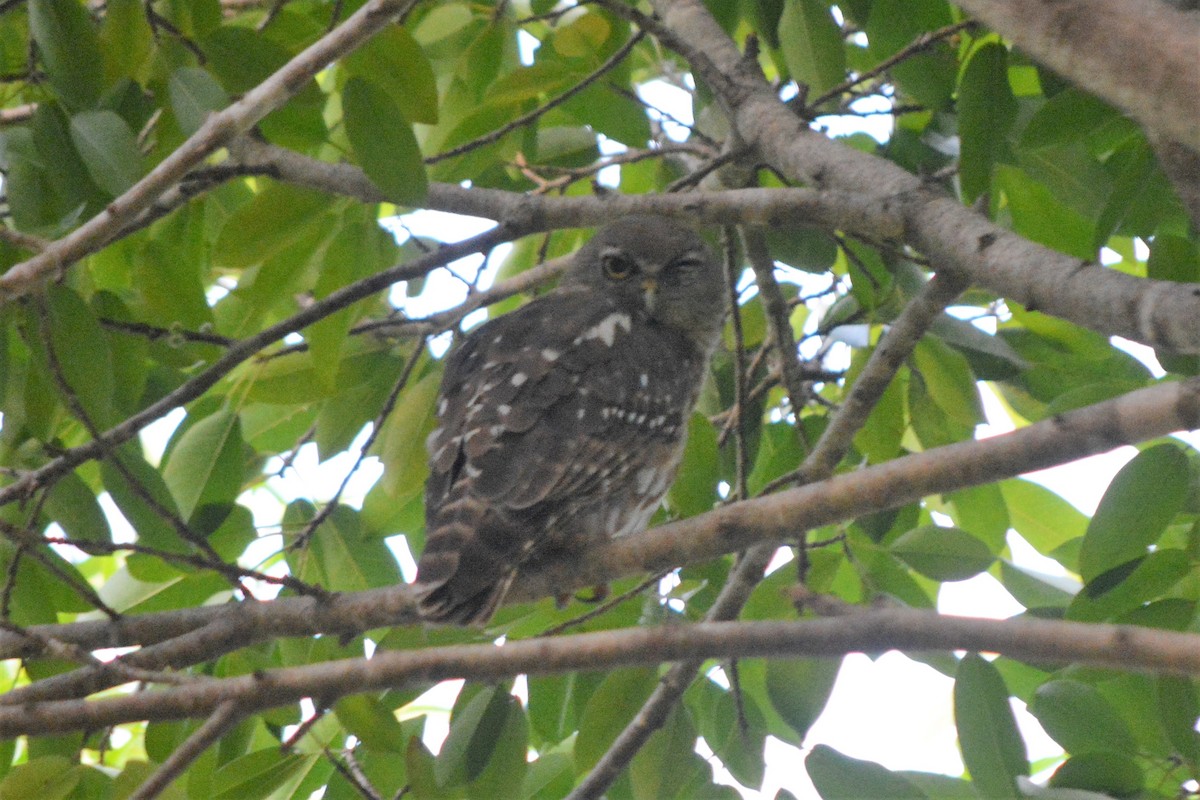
(1090, 42)
(216, 132)
(1040, 641)
(1157, 313)
(1135, 417)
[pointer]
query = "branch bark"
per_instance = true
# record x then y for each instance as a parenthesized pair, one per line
(1090, 42)
(216, 132)
(1035, 640)
(1156, 313)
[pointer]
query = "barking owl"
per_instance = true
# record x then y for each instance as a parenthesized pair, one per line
(565, 420)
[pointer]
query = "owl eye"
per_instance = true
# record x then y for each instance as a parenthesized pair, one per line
(616, 266)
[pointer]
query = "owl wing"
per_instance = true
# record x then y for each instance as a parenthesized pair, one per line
(538, 407)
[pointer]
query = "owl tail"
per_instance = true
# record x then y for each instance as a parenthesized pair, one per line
(442, 604)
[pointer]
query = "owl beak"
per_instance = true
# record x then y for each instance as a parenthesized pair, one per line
(649, 293)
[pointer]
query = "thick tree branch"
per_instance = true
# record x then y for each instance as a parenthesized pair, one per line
(1135, 417)
(835, 210)
(1035, 640)
(1157, 313)
(216, 132)
(1090, 42)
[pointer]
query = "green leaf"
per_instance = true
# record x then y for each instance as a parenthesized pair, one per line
(840, 777)
(812, 45)
(892, 25)
(373, 723)
(410, 82)
(276, 217)
(1037, 215)
(668, 760)
(69, 49)
(1043, 519)
(1178, 710)
(1065, 118)
(610, 708)
(46, 778)
(82, 352)
(986, 111)
(486, 744)
(259, 775)
(384, 142)
(129, 493)
(1131, 585)
(1078, 717)
(205, 466)
(401, 445)
(949, 381)
(1137, 506)
(125, 38)
(992, 748)
(943, 553)
(108, 148)
(72, 504)
(1111, 774)
(341, 556)
(195, 93)
(695, 487)
(800, 688)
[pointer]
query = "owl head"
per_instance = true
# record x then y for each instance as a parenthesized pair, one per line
(656, 267)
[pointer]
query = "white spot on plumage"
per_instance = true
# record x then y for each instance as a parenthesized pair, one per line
(644, 380)
(550, 354)
(606, 329)
(645, 477)
(504, 409)
(518, 378)
(581, 413)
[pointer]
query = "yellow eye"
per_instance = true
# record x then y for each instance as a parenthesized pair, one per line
(616, 266)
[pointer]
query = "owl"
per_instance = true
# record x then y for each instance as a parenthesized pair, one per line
(565, 419)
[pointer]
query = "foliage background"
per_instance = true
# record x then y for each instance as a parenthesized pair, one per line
(164, 256)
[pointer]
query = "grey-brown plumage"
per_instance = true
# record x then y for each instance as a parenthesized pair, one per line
(565, 419)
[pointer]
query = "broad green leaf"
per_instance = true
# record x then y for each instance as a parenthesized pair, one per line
(278, 216)
(195, 93)
(949, 381)
(695, 487)
(482, 731)
(718, 720)
(401, 445)
(373, 723)
(1037, 215)
(1178, 710)
(126, 39)
(992, 748)
(986, 112)
(668, 761)
(410, 82)
(108, 148)
(72, 504)
(1131, 585)
(69, 50)
(81, 350)
(129, 493)
(840, 777)
(800, 688)
(583, 37)
(384, 142)
(943, 553)
(1035, 590)
(1173, 258)
(1066, 117)
(46, 778)
(610, 708)
(1110, 774)
(812, 45)
(892, 25)
(341, 556)
(258, 775)
(205, 466)
(981, 510)
(1043, 519)
(1142, 498)
(1078, 717)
